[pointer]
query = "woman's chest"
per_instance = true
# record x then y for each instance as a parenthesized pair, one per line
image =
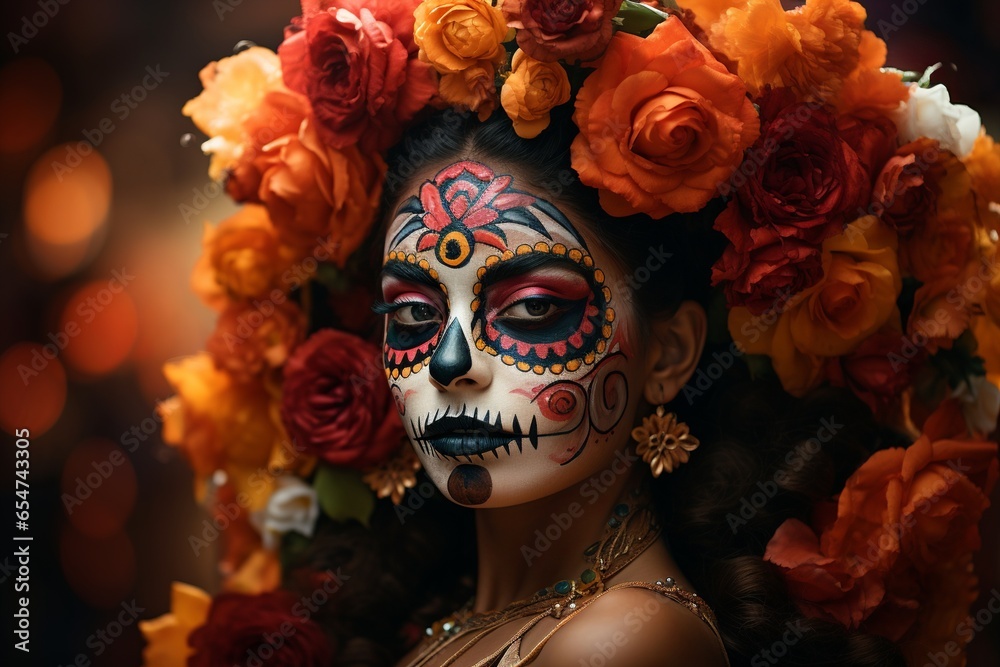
(499, 645)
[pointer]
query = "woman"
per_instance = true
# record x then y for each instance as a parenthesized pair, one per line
(645, 329)
(545, 458)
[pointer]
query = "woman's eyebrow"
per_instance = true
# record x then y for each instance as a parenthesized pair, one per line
(521, 264)
(408, 272)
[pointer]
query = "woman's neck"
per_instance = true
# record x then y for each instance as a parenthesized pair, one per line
(527, 547)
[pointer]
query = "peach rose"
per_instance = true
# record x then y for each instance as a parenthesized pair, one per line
(454, 35)
(242, 258)
(313, 191)
(905, 192)
(809, 49)
(662, 123)
(531, 91)
(220, 424)
(234, 89)
(855, 297)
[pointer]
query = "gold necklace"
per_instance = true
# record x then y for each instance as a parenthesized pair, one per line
(628, 532)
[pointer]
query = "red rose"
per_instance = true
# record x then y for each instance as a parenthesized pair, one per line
(550, 30)
(761, 269)
(246, 342)
(336, 403)
(873, 139)
(903, 195)
(877, 371)
(809, 182)
(242, 627)
(357, 63)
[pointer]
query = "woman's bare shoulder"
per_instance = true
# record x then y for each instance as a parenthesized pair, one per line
(632, 627)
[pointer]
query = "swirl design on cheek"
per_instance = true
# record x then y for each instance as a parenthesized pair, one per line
(407, 350)
(597, 401)
(581, 335)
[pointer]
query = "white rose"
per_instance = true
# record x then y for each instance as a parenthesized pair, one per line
(292, 506)
(930, 113)
(980, 404)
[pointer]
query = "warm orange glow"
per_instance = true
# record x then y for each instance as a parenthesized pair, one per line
(101, 321)
(67, 194)
(30, 94)
(32, 387)
(101, 572)
(98, 488)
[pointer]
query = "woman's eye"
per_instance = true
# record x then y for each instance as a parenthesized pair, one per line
(530, 309)
(415, 314)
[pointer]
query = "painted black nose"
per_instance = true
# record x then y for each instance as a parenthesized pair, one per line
(452, 358)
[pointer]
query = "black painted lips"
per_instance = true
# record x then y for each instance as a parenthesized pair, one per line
(467, 436)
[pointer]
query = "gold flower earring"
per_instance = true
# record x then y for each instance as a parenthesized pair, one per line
(664, 442)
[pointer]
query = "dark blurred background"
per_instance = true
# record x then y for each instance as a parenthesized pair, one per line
(108, 246)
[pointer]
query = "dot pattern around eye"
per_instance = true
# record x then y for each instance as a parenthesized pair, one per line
(581, 347)
(406, 359)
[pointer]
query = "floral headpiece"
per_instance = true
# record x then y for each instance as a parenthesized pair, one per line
(862, 215)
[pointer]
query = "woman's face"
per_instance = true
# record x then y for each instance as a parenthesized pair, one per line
(507, 348)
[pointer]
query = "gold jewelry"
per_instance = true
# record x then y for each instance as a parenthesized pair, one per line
(632, 527)
(664, 442)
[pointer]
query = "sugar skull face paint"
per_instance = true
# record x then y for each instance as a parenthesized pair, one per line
(503, 347)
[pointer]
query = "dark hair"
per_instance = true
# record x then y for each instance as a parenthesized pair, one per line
(751, 430)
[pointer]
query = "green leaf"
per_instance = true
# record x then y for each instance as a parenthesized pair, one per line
(637, 19)
(343, 495)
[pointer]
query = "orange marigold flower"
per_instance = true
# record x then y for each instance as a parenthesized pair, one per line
(662, 124)
(868, 91)
(531, 91)
(855, 297)
(242, 258)
(809, 49)
(983, 164)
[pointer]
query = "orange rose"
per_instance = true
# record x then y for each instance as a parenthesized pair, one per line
(662, 123)
(166, 636)
(854, 298)
(220, 424)
(241, 258)
(707, 12)
(945, 620)
(532, 90)
(454, 35)
(473, 89)
(250, 339)
(939, 315)
(809, 49)
(904, 513)
(234, 89)
(313, 191)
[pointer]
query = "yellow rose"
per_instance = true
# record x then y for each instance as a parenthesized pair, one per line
(854, 298)
(166, 636)
(531, 91)
(454, 35)
(221, 424)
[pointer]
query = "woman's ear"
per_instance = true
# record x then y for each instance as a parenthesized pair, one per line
(675, 347)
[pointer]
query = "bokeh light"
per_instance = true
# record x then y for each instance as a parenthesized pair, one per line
(98, 488)
(30, 95)
(103, 317)
(67, 196)
(32, 387)
(100, 571)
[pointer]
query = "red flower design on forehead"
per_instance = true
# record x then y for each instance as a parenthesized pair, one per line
(465, 204)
